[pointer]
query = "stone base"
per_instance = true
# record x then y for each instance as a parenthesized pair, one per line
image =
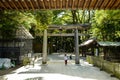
(44, 62)
(77, 62)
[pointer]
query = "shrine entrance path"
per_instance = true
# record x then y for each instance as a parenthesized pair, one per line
(55, 69)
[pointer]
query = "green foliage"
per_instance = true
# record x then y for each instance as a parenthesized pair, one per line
(36, 21)
(71, 16)
(26, 19)
(10, 20)
(61, 17)
(8, 24)
(106, 25)
(43, 19)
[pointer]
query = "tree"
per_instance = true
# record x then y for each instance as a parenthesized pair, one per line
(43, 19)
(8, 24)
(106, 25)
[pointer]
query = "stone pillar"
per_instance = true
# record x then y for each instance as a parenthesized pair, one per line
(44, 58)
(76, 47)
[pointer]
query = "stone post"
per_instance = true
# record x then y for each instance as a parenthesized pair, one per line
(44, 58)
(76, 47)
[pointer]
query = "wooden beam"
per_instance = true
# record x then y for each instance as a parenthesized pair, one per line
(104, 4)
(43, 4)
(48, 1)
(36, 2)
(98, 4)
(89, 4)
(61, 4)
(14, 5)
(54, 1)
(92, 4)
(95, 4)
(3, 5)
(51, 3)
(66, 3)
(73, 3)
(68, 28)
(31, 5)
(63, 34)
(25, 4)
(20, 5)
(78, 3)
(101, 4)
(83, 4)
(102, 1)
(78, 26)
(8, 4)
(113, 4)
(84, 7)
(58, 4)
(118, 5)
(108, 5)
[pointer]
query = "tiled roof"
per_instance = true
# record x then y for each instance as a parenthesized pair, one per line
(107, 43)
(23, 33)
(97, 43)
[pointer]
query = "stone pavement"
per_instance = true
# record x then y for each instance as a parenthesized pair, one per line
(56, 70)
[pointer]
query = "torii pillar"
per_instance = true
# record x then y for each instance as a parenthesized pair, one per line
(76, 47)
(44, 58)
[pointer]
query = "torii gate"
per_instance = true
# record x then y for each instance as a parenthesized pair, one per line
(57, 5)
(76, 34)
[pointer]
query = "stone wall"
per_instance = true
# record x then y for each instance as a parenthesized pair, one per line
(110, 67)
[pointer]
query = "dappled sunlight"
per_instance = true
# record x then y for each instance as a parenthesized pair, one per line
(28, 68)
(46, 76)
(56, 70)
(52, 72)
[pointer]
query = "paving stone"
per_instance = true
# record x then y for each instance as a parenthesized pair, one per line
(56, 70)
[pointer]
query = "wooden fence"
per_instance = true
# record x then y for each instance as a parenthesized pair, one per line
(111, 67)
